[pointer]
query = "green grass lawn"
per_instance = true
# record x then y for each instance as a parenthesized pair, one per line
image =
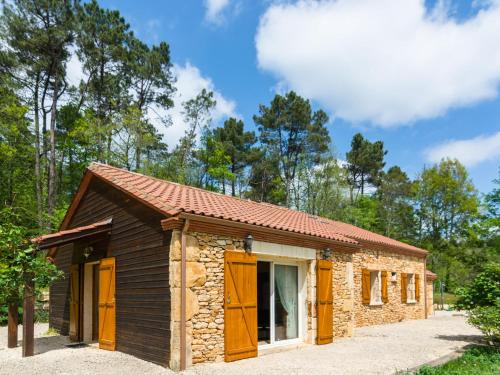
(449, 299)
(475, 361)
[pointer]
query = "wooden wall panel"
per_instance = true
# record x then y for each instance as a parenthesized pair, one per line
(141, 249)
(59, 292)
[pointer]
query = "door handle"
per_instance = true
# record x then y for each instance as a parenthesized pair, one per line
(228, 301)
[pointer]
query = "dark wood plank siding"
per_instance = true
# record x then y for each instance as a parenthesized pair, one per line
(141, 249)
(59, 292)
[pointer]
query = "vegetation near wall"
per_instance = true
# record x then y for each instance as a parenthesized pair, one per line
(51, 129)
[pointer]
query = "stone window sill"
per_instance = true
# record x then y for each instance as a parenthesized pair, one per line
(411, 302)
(376, 303)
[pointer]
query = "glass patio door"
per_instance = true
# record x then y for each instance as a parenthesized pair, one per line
(286, 302)
(278, 307)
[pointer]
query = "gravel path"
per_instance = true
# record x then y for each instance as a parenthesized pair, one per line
(373, 350)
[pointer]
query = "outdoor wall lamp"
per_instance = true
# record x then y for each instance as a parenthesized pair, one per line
(248, 243)
(87, 251)
(326, 253)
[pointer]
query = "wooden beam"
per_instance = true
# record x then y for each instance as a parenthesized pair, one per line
(12, 325)
(29, 317)
(183, 296)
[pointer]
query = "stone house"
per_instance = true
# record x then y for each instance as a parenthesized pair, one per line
(178, 275)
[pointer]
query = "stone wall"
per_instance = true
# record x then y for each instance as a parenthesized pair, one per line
(205, 293)
(430, 297)
(394, 310)
(343, 295)
(311, 302)
(208, 323)
(204, 296)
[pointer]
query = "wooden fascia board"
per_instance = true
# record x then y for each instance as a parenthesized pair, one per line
(74, 237)
(75, 201)
(322, 242)
(391, 248)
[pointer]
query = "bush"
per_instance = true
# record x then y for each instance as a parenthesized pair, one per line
(484, 290)
(487, 319)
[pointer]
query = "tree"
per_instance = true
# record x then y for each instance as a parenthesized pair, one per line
(102, 49)
(365, 162)
(447, 205)
(19, 261)
(294, 134)
(151, 86)
(482, 300)
(395, 208)
(43, 27)
(16, 153)
(196, 112)
(215, 162)
(325, 190)
(237, 144)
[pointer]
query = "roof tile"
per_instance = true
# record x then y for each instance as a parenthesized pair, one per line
(172, 198)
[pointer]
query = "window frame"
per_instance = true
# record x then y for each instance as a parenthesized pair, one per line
(411, 290)
(376, 298)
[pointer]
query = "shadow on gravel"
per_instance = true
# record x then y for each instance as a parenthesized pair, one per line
(466, 338)
(47, 344)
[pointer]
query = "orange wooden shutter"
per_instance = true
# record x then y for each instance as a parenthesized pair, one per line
(240, 306)
(365, 286)
(324, 302)
(404, 287)
(74, 302)
(385, 295)
(107, 304)
(417, 287)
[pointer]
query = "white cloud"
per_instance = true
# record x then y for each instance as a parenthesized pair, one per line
(387, 62)
(214, 10)
(189, 83)
(469, 151)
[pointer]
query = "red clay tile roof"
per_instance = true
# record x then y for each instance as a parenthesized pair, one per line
(64, 233)
(172, 198)
(431, 275)
(352, 231)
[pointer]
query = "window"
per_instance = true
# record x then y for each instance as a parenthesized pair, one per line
(410, 288)
(375, 288)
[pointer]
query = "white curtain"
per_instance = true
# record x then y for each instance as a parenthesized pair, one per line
(286, 282)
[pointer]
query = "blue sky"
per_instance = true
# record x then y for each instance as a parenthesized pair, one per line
(423, 78)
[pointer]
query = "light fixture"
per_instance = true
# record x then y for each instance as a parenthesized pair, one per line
(248, 243)
(326, 253)
(87, 251)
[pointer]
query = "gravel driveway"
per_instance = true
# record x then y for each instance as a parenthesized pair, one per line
(373, 350)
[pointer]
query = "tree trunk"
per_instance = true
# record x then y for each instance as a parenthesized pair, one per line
(13, 322)
(38, 174)
(52, 164)
(29, 317)
(233, 181)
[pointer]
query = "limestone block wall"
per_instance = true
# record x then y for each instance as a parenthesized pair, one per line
(430, 298)
(208, 323)
(343, 295)
(205, 296)
(311, 302)
(394, 310)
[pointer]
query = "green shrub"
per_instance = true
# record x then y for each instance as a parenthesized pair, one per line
(484, 290)
(487, 319)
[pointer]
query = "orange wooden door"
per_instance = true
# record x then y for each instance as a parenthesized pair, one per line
(107, 304)
(324, 302)
(74, 303)
(240, 307)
